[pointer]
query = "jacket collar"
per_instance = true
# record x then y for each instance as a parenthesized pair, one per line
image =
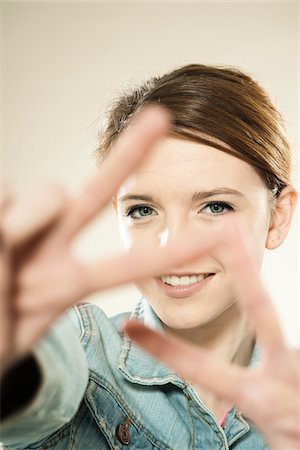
(139, 367)
(136, 365)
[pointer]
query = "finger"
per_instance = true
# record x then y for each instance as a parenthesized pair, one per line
(251, 292)
(33, 213)
(260, 397)
(21, 220)
(127, 153)
(69, 283)
(195, 365)
(142, 261)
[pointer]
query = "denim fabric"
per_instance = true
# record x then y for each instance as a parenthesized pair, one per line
(95, 379)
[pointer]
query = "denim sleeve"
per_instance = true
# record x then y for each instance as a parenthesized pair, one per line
(64, 372)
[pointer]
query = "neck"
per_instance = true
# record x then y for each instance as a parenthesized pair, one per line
(228, 336)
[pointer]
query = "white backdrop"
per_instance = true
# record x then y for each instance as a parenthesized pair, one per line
(63, 62)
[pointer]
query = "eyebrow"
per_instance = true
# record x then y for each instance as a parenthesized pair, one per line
(220, 191)
(200, 195)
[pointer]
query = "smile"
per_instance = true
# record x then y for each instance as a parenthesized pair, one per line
(184, 285)
(185, 280)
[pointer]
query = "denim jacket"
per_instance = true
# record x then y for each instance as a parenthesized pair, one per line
(101, 391)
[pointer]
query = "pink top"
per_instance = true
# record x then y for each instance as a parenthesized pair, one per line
(223, 418)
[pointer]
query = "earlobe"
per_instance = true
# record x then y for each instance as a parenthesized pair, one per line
(281, 217)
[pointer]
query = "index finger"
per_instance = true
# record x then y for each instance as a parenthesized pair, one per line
(139, 137)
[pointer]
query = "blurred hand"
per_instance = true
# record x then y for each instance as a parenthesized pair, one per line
(269, 396)
(39, 276)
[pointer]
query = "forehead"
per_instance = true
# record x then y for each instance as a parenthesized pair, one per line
(179, 165)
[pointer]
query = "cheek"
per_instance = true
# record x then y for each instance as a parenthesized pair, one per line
(144, 285)
(127, 238)
(147, 289)
(141, 234)
(129, 233)
(255, 236)
(256, 247)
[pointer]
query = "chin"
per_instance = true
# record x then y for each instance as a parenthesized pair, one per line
(187, 322)
(198, 310)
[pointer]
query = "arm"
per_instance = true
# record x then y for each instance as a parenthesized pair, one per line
(40, 278)
(60, 373)
(19, 386)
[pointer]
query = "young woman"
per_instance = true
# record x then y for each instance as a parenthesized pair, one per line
(195, 216)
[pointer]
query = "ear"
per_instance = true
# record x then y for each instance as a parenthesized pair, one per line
(281, 217)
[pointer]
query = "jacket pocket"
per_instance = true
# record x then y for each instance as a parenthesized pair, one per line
(120, 426)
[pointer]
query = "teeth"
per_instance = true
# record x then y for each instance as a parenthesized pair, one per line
(185, 280)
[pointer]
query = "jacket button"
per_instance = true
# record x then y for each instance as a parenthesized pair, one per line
(123, 434)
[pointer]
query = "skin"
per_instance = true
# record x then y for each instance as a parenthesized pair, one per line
(39, 275)
(219, 322)
(40, 278)
(174, 171)
(268, 396)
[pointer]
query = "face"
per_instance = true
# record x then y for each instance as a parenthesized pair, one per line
(185, 185)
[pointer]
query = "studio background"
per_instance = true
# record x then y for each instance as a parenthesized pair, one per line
(63, 63)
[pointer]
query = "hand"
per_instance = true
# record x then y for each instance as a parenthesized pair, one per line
(39, 275)
(269, 395)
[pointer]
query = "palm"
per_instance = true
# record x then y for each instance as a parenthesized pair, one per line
(48, 283)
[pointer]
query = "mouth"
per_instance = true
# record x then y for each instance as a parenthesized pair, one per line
(184, 280)
(183, 285)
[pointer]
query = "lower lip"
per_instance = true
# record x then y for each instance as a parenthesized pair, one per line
(183, 291)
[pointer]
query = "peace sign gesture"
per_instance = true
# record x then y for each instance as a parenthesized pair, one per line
(269, 395)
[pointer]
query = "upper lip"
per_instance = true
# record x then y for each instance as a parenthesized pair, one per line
(182, 274)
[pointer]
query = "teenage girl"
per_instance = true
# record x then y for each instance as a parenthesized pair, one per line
(195, 216)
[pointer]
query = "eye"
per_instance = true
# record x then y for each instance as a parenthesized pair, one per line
(217, 208)
(140, 211)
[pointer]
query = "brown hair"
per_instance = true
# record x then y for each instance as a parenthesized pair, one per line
(215, 106)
